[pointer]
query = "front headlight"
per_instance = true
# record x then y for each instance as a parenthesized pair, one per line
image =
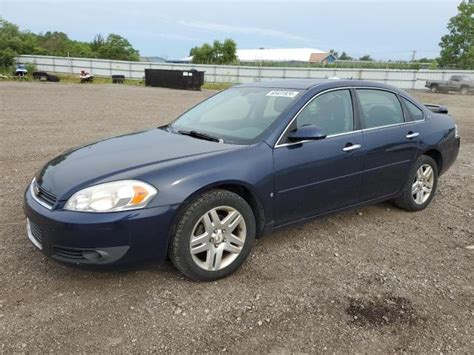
(112, 197)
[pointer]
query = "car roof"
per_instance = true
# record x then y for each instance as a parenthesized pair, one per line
(287, 83)
(306, 84)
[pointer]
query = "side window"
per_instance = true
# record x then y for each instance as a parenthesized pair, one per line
(414, 112)
(331, 111)
(380, 108)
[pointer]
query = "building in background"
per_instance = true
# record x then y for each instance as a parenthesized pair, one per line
(153, 59)
(279, 55)
(282, 55)
(323, 58)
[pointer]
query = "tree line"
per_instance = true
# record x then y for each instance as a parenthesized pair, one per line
(14, 42)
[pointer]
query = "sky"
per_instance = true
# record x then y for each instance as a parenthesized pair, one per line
(383, 29)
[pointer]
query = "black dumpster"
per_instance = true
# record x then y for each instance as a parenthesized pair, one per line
(118, 79)
(174, 79)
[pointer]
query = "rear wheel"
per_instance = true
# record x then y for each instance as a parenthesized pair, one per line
(421, 185)
(434, 88)
(213, 236)
(464, 90)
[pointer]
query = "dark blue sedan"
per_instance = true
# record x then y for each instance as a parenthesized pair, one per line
(242, 163)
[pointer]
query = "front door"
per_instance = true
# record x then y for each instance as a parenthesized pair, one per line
(314, 177)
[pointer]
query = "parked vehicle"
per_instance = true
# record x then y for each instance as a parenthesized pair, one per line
(461, 83)
(247, 161)
(44, 76)
(21, 70)
(86, 77)
(118, 79)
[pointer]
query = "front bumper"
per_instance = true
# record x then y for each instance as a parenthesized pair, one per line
(99, 238)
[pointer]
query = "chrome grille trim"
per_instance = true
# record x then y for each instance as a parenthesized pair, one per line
(36, 198)
(31, 237)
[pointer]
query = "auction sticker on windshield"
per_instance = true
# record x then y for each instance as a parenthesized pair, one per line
(281, 93)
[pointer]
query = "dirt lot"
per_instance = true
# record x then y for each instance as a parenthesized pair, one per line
(372, 279)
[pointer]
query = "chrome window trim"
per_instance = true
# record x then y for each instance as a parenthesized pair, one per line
(42, 203)
(280, 145)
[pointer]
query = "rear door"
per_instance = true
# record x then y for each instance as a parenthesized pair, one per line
(390, 143)
(453, 83)
(314, 177)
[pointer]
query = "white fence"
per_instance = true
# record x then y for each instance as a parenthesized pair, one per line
(405, 79)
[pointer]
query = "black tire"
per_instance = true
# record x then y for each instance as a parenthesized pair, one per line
(464, 90)
(406, 200)
(53, 78)
(434, 88)
(180, 253)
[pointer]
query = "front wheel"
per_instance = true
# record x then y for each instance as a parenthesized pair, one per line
(421, 185)
(464, 90)
(213, 236)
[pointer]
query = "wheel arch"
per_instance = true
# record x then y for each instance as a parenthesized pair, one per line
(238, 187)
(436, 155)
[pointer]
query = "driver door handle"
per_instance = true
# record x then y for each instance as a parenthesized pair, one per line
(411, 135)
(351, 147)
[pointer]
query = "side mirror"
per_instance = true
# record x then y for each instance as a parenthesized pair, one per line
(307, 132)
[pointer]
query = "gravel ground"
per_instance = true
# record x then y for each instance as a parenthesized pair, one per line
(372, 279)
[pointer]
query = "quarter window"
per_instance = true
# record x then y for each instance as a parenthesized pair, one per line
(331, 111)
(413, 111)
(380, 108)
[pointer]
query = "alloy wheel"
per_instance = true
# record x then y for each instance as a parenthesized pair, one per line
(217, 238)
(423, 184)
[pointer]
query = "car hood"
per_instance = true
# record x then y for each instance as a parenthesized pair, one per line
(122, 155)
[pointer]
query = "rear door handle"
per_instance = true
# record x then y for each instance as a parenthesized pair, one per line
(351, 147)
(411, 135)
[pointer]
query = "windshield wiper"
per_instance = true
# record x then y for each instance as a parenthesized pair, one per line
(200, 135)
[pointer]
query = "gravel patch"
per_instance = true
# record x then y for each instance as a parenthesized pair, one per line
(407, 277)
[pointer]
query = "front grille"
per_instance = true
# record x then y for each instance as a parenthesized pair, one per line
(45, 196)
(68, 253)
(36, 232)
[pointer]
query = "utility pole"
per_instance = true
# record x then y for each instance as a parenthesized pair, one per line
(413, 55)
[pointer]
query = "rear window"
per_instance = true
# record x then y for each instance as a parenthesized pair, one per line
(414, 113)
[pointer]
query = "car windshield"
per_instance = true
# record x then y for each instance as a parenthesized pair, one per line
(238, 115)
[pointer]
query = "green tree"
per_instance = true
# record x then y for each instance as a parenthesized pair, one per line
(7, 57)
(229, 52)
(55, 43)
(457, 47)
(217, 53)
(97, 42)
(345, 56)
(117, 47)
(366, 58)
(14, 42)
(203, 54)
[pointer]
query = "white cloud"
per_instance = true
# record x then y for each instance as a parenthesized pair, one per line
(246, 30)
